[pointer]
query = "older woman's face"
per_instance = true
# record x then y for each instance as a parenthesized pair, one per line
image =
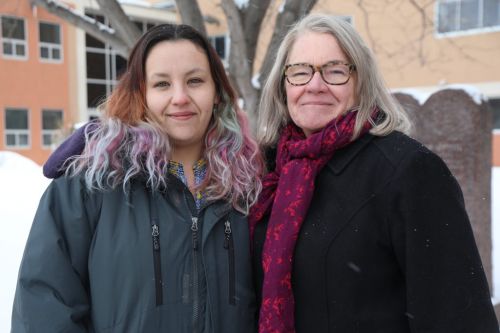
(315, 104)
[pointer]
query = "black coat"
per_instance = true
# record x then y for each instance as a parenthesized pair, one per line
(387, 247)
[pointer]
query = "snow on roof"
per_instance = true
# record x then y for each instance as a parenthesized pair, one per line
(421, 95)
(473, 92)
(148, 4)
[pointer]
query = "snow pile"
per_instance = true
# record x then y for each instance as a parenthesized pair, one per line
(22, 184)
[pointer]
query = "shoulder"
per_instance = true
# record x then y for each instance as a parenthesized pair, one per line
(401, 150)
(414, 164)
(74, 192)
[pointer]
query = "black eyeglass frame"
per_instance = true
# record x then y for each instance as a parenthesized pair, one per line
(319, 69)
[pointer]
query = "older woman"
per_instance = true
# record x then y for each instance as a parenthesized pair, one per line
(147, 230)
(359, 228)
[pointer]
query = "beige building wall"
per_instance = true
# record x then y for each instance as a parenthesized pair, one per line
(410, 53)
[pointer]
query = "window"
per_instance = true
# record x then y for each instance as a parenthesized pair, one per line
(219, 43)
(13, 38)
(50, 41)
(104, 65)
(16, 128)
(495, 108)
(52, 121)
(463, 15)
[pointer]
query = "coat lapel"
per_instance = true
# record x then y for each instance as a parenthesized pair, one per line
(351, 198)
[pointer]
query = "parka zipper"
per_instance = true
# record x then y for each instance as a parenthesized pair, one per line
(155, 234)
(157, 263)
(196, 305)
(229, 246)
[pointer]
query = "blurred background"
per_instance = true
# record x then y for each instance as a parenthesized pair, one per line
(59, 59)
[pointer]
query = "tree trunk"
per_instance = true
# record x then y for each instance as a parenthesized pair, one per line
(190, 14)
(124, 27)
(94, 28)
(239, 66)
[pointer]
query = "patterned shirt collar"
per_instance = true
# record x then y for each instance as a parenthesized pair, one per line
(199, 170)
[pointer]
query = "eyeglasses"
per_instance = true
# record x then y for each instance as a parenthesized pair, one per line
(333, 73)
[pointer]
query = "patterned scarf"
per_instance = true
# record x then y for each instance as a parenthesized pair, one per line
(287, 192)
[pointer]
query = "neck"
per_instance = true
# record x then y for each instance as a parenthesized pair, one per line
(187, 156)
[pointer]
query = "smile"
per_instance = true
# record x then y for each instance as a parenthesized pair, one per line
(317, 103)
(181, 115)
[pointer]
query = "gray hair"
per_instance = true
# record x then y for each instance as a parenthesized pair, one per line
(370, 88)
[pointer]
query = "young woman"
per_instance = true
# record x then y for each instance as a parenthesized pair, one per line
(146, 232)
(358, 228)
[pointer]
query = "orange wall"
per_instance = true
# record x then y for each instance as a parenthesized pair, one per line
(496, 149)
(36, 85)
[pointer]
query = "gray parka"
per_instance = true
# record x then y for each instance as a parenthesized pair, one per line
(134, 262)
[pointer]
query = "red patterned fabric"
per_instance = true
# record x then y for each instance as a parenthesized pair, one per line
(288, 191)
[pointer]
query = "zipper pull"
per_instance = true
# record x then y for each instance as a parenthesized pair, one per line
(194, 229)
(156, 238)
(227, 234)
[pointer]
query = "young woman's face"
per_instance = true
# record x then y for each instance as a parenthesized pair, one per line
(315, 104)
(180, 89)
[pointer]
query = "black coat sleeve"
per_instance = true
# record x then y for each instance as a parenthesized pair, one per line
(447, 290)
(52, 288)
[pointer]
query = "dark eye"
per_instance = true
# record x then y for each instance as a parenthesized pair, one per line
(299, 71)
(195, 81)
(336, 70)
(161, 84)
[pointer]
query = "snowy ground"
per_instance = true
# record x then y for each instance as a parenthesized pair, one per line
(22, 184)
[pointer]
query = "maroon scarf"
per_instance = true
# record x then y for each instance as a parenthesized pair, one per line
(288, 191)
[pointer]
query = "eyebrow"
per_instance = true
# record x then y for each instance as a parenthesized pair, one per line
(336, 61)
(190, 72)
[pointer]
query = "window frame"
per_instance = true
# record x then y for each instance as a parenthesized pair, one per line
(17, 132)
(227, 44)
(463, 32)
(54, 133)
(50, 46)
(14, 41)
(111, 58)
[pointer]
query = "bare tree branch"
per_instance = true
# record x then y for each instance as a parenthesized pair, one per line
(191, 14)
(292, 12)
(252, 17)
(239, 66)
(366, 16)
(124, 27)
(88, 24)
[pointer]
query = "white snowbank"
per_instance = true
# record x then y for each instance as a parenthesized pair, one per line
(22, 184)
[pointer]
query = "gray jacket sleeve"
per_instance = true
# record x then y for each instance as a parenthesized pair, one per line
(52, 288)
